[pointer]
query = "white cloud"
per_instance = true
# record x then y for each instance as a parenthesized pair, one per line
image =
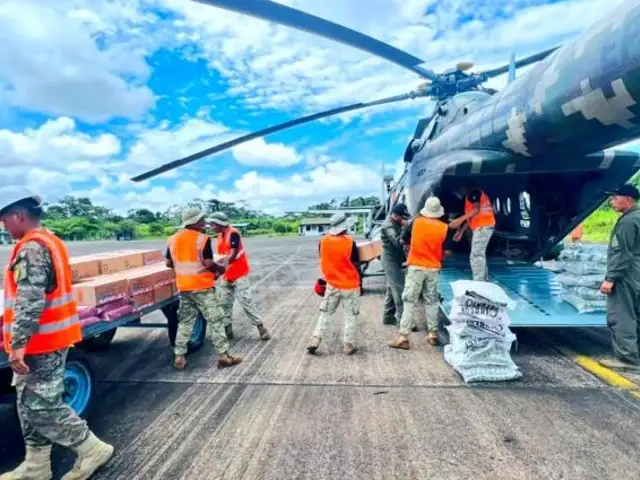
(60, 59)
(259, 153)
(274, 66)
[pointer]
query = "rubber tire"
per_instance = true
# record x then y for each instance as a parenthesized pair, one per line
(98, 343)
(198, 336)
(80, 367)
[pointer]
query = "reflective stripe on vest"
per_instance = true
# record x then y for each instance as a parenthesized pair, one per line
(58, 325)
(186, 248)
(335, 262)
(240, 266)
(485, 216)
(427, 238)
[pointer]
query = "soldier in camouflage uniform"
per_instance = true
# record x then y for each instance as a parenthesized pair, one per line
(39, 378)
(339, 262)
(622, 281)
(198, 299)
(428, 237)
(393, 256)
(478, 217)
(235, 282)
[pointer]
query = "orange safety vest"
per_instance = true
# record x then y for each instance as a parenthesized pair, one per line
(186, 249)
(427, 239)
(485, 217)
(335, 262)
(240, 266)
(59, 324)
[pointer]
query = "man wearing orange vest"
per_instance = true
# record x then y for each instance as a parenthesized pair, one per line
(428, 235)
(40, 324)
(190, 254)
(480, 218)
(235, 283)
(339, 265)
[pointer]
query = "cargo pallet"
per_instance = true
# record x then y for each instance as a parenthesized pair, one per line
(80, 375)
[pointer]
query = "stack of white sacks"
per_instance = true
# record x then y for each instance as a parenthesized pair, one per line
(480, 338)
(581, 270)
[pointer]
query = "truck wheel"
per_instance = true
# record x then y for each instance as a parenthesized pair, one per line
(79, 383)
(198, 335)
(98, 343)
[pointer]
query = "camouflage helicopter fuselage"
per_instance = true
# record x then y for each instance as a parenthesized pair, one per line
(546, 135)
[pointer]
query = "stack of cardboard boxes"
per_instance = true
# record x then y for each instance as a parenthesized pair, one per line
(139, 274)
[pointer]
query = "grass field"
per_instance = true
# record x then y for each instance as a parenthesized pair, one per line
(598, 226)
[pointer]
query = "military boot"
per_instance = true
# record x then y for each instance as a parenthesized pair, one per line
(432, 338)
(92, 454)
(180, 362)
(36, 465)
(349, 349)
(314, 343)
(228, 361)
(401, 342)
(228, 330)
(264, 335)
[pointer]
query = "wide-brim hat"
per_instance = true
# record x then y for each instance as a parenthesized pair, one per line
(14, 193)
(340, 223)
(432, 208)
(218, 218)
(191, 216)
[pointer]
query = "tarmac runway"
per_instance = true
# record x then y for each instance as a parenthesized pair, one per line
(379, 414)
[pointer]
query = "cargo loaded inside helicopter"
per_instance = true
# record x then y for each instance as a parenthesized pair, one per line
(534, 211)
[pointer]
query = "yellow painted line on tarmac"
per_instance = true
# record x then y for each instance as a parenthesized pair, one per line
(605, 374)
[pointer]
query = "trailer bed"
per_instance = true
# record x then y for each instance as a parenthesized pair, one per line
(99, 328)
(534, 289)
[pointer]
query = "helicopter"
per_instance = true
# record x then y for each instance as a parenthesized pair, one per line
(541, 148)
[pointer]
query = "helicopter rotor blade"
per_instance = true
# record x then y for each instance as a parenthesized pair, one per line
(284, 15)
(276, 128)
(520, 63)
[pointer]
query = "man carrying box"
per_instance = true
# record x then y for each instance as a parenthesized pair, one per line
(235, 283)
(40, 324)
(428, 235)
(190, 254)
(339, 265)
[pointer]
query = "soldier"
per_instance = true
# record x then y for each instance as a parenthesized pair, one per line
(479, 217)
(622, 281)
(235, 282)
(40, 324)
(428, 235)
(339, 263)
(190, 254)
(393, 256)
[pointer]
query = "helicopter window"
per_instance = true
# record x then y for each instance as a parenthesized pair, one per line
(525, 205)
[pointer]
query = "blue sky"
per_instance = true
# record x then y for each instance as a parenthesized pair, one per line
(93, 92)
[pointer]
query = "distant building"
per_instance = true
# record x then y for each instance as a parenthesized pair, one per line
(316, 226)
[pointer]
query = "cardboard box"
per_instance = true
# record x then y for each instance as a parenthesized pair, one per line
(152, 256)
(119, 262)
(367, 251)
(83, 267)
(163, 293)
(100, 290)
(142, 301)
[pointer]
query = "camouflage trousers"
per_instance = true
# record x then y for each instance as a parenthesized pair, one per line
(350, 300)
(240, 289)
(478, 256)
(45, 419)
(420, 283)
(205, 303)
(393, 307)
